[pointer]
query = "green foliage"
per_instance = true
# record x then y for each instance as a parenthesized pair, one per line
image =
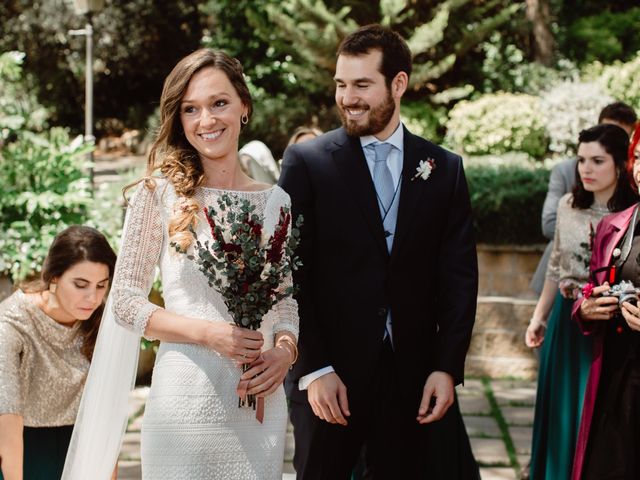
(424, 119)
(136, 43)
(498, 123)
(43, 179)
(606, 36)
(622, 81)
(44, 190)
(282, 100)
(242, 263)
(18, 105)
(507, 202)
(505, 68)
(288, 52)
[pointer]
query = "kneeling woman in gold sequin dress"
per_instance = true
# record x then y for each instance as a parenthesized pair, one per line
(47, 333)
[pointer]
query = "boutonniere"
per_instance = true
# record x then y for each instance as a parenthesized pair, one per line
(424, 168)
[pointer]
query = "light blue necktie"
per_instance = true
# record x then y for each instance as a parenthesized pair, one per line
(382, 175)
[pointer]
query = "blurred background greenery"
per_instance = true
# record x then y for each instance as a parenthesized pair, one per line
(493, 79)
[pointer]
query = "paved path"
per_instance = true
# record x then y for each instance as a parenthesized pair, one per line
(498, 415)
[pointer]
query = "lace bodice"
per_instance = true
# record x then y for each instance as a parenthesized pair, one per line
(185, 289)
(572, 242)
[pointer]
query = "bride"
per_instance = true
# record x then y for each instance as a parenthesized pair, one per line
(192, 426)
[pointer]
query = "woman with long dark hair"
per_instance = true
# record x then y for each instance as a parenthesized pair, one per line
(607, 446)
(48, 331)
(602, 187)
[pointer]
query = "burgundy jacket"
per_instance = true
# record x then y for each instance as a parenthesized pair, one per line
(609, 232)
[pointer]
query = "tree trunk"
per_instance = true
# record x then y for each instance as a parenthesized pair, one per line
(538, 13)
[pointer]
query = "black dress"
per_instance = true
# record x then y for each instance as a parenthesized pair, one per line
(614, 440)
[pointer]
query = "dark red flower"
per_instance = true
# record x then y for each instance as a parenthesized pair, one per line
(274, 254)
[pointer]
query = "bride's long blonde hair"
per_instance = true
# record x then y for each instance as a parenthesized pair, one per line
(171, 153)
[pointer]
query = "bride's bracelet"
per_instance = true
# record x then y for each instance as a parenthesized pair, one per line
(293, 350)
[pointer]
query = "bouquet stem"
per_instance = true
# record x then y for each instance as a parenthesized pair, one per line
(247, 400)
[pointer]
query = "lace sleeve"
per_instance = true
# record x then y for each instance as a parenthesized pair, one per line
(286, 311)
(139, 254)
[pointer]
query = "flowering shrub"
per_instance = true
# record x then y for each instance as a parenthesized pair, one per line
(498, 123)
(570, 108)
(622, 81)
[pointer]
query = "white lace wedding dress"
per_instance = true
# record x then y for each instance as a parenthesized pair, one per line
(192, 427)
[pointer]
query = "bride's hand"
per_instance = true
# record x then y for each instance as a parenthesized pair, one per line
(240, 344)
(269, 371)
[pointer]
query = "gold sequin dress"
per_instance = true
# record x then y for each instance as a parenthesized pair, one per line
(42, 374)
(42, 370)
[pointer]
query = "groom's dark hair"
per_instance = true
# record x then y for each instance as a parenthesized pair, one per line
(396, 56)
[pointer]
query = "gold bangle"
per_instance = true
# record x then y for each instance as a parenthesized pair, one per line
(287, 340)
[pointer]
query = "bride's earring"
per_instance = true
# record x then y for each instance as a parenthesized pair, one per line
(52, 300)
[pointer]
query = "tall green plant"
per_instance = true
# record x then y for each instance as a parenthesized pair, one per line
(43, 184)
(44, 190)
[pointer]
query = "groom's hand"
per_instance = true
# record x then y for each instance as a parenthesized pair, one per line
(439, 387)
(328, 398)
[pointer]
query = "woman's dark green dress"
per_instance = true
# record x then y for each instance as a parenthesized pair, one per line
(565, 355)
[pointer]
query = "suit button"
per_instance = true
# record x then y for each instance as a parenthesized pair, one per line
(382, 312)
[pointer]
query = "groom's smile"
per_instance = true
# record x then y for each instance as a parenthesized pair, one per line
(364, 100)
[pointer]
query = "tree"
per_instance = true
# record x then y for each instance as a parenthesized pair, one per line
(136, 44)
(538, 13)
(290, 52)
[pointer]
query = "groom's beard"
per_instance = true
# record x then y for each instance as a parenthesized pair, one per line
(379, 117)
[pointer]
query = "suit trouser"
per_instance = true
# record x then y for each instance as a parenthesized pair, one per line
(384, 422)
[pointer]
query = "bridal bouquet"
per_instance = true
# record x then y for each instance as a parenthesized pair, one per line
(247, 267)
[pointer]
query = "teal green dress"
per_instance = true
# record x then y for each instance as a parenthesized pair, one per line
(565, 360)
(565, 355)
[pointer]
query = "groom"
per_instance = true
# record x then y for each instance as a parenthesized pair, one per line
(388, 286)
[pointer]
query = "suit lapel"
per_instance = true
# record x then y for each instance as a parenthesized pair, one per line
(352, 165)
(410, 190)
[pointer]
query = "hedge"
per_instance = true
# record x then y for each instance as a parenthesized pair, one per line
(507, 203)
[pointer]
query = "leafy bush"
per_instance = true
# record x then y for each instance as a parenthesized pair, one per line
(43, 182)
(44, 190)
(570, 108)
(424, 120)
(606, 37)
(505, 68)
(18, 105)
(498, 123)
(507, 202)
(622, 81)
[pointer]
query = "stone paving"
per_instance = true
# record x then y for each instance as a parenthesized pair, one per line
(498, 415)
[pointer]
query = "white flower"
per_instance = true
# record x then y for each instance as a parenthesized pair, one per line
(424, 169)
